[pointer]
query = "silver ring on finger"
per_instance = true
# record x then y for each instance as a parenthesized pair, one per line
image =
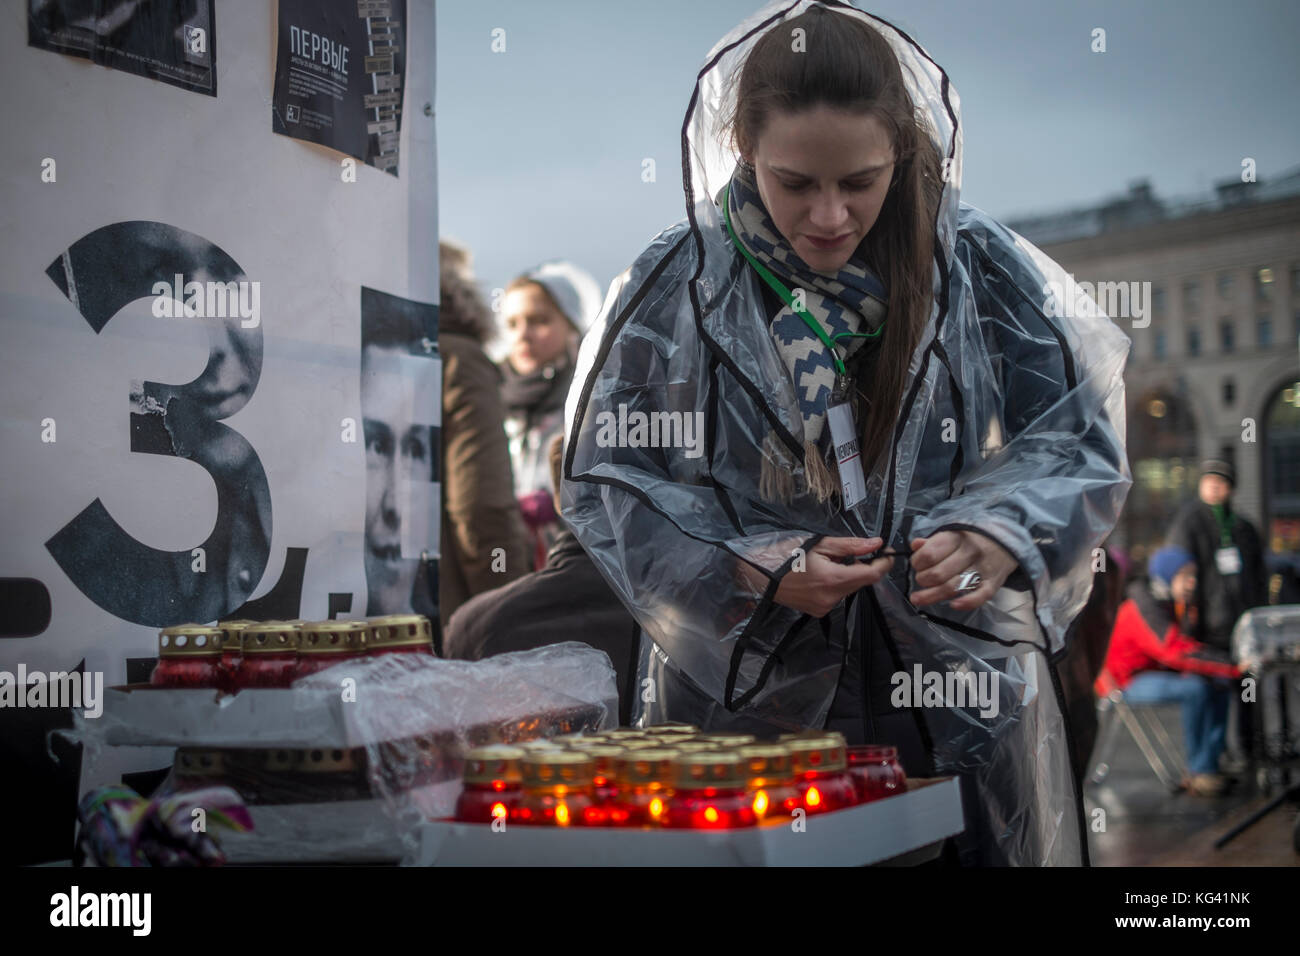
(969, 581)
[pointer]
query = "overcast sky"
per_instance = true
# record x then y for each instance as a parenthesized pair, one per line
(540, 147)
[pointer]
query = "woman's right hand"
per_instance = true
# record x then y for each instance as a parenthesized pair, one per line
(824, 581)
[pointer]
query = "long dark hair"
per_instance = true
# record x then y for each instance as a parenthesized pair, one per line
(848, 65)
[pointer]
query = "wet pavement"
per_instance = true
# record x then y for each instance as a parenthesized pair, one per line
(1142, 824)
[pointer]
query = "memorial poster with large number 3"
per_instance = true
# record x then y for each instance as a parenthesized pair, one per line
(219, 380)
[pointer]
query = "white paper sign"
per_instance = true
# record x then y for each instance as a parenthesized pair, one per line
(1228, 560)
(844, 435)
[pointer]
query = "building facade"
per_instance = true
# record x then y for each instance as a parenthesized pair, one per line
(1215, 365)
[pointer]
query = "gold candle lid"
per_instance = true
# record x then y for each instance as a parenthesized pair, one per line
(671, 729)
(767, 762)
(700, 771)
(605, 757)
(649, 765)
(330, 760)
(189, 640)
(825, 753)
(726, 739)
(400, 630)
(494, 762)
(200, 762)
(232, 632)
(695, 746)
(568, 768)
(541, 744)
(281, 760)
(333, 637)
(270, 637)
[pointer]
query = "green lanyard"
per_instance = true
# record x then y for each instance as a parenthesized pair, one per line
(1224, 520)
(787, 296)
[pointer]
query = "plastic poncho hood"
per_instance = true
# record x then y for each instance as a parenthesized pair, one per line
(1011, 425)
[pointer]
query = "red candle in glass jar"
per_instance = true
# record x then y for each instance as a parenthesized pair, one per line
(400, 634)
(189, 656)
(270, 655)
(326, 643)
(876, 770)
(493, 784)
(643, 778)
(557, 789)
(232, 640)
(770, 773)
(604, 782)
(821, 773)
(709, 793)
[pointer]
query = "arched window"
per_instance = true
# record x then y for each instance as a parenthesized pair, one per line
(1162, 454)
(1281, 450)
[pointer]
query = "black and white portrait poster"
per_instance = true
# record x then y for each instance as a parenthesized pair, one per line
(219, 372)
(169, 40)
(401, 408)
(339, 72)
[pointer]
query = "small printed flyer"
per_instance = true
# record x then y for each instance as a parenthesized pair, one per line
(338, 76)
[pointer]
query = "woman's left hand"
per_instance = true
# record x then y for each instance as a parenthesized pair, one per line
(939, 561)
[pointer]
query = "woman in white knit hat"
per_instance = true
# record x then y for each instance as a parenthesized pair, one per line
(545, 312)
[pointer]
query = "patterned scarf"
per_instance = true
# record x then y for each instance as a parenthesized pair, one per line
(852, 301)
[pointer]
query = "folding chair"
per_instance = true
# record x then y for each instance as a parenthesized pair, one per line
(1162, 755)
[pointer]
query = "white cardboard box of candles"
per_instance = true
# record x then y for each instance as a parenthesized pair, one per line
(404, 721)
(876, 832)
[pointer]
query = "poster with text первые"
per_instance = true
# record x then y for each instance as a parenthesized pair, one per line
(339, 76)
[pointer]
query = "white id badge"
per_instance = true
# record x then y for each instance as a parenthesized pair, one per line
(1228, 560)
(844, 436)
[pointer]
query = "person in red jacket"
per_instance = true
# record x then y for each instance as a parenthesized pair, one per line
(1153, 660)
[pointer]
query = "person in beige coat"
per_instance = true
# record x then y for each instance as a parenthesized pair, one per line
(479, 511)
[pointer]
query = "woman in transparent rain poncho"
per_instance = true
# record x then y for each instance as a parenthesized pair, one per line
(825, 245)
